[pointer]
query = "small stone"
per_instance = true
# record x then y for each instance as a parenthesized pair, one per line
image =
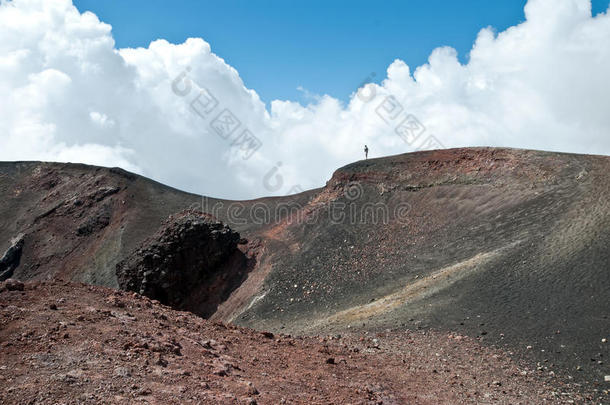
(13, 285)
(122, 372)
(330, 360)
(161, 361)
(145, 391)
(222, 369)
(115, 301)
(209, 344)
(53, 307)
(607, 378)
(220, 372)
(604, 340)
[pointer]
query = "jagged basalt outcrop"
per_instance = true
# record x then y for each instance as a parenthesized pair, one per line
(96, 221)
(11, 259)
(190, 251)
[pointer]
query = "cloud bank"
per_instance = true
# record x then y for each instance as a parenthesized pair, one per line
(180, 114)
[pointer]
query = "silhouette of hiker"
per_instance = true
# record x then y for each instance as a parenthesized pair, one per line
(366, 152)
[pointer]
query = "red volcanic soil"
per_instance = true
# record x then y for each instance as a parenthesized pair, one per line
(71, 343)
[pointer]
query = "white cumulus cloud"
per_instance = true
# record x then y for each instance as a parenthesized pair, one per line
(180, 114)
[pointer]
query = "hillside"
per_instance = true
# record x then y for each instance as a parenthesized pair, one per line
(509, 247)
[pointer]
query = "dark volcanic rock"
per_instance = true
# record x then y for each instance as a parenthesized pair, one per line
(95, 222)
(13, 285)
(190, 250)
(11, 259)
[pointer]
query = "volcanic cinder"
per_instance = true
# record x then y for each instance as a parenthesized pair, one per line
(504, 250)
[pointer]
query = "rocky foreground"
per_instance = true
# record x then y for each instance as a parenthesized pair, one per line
(73, 343)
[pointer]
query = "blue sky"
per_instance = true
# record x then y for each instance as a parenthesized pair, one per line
(325, 47)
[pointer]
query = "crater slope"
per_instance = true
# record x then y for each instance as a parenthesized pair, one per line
(507, 246)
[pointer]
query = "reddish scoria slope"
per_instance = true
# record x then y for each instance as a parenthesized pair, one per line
(73, 343)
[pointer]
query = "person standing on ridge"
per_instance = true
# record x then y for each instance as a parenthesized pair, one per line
(366, 152)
